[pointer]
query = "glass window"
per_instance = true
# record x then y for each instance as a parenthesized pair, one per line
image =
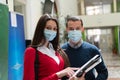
(95, 7)
(99, 9)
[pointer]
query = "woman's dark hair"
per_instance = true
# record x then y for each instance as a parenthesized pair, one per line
(39, 38)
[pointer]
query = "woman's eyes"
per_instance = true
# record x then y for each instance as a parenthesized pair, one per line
(50, 28)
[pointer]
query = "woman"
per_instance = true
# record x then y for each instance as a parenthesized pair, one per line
(51, 64)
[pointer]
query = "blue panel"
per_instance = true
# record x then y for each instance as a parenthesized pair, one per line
(16, 48)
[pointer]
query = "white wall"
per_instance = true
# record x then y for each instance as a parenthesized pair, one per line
(104, 20)
(3, 1)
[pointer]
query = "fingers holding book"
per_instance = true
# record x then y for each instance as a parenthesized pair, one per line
(69, 72)
(78, 78)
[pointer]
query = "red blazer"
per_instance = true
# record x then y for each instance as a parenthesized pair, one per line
(47, 68)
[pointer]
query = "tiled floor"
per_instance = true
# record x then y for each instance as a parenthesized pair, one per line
(114, 79)
(113, 65)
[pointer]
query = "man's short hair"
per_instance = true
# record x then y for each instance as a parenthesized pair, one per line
(73, 18)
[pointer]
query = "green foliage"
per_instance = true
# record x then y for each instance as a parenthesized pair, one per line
(84, 36)
(116, 37)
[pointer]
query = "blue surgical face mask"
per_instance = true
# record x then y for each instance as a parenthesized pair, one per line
(75, 35)
(50, 34)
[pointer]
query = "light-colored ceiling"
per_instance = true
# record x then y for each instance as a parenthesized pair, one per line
(87, 2)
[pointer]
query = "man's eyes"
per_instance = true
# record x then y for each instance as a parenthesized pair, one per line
(74, 28)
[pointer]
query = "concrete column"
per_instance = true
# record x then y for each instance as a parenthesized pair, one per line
(115, 5)
(33, 13)
(11, 5)
(82, 7)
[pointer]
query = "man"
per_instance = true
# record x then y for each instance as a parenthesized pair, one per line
(79, 51)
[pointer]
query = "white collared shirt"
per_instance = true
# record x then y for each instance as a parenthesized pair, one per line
(49, 51)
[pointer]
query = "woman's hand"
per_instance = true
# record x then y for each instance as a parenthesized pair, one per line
(66, 72)
(80, 78)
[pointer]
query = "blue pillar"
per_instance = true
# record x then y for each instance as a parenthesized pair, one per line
(16, 46)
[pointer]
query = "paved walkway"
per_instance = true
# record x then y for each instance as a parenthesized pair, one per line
(113, 65)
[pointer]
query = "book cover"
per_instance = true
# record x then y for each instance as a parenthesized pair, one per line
(88, 65)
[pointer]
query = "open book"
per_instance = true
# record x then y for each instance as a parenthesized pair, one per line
(88, 66)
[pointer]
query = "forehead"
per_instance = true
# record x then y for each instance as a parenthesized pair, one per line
(74, 23)
(51, 22)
